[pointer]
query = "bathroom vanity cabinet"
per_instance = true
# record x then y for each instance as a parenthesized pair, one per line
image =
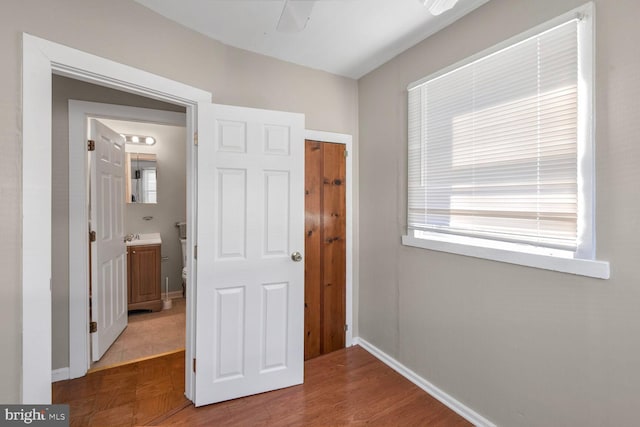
(144, 281)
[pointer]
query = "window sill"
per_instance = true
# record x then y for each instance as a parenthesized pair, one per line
(582, 267)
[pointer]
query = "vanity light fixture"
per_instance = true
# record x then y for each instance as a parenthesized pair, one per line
(139, 139)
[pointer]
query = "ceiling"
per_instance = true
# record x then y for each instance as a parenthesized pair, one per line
(344, 37)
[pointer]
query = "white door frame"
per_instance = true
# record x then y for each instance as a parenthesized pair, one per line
(347, 140)
(79, 111)
(40, 59)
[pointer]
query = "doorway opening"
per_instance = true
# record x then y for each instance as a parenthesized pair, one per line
(41, 60)
(154, 235)
(165, 123)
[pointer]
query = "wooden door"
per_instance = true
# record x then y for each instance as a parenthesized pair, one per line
(250, 290)
(325, 248)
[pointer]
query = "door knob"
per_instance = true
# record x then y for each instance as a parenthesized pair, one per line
(296, 256)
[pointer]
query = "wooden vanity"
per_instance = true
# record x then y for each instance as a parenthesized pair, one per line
(144, 277)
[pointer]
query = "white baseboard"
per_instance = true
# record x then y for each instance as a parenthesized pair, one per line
(60, 374)
(453, 404)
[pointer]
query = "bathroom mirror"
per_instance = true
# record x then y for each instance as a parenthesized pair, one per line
(142, 173)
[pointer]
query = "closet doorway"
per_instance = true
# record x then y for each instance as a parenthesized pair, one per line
(325, 247)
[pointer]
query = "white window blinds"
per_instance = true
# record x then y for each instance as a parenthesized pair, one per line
(493, 145)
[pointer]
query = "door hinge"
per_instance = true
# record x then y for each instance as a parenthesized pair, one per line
(195, 252)
(91, 145)
(194, 364)
(92, 236)
(346, 328)
(93, 327)
(346, 153)
(195, 138)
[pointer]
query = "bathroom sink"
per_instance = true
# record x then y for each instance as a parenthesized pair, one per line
(145, 239)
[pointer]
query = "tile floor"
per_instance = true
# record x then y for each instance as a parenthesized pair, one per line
(148, 334)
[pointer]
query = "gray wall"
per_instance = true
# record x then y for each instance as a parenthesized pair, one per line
(521, 346)
(170, 150)
(126, 32)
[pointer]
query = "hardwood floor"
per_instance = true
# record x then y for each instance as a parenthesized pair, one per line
(346, 387)
(133, 394)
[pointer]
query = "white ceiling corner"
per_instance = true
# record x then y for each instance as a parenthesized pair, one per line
(344, 37)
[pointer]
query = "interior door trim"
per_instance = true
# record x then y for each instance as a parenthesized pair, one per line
(40, 59)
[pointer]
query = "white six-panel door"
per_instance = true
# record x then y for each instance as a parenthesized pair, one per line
(250, 291)
(109, 260)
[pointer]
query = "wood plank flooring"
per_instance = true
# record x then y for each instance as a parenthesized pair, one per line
(127, 395)
(346, 387)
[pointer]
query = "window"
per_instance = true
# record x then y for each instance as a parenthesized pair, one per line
(149, 185)
(501, 153)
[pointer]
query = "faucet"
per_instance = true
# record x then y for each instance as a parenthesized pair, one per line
(129, 237)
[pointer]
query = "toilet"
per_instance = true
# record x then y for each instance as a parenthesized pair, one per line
(182, 232)
(183, 244)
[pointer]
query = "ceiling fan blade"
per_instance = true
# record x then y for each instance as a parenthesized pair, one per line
(438, 7)
(295, 15)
